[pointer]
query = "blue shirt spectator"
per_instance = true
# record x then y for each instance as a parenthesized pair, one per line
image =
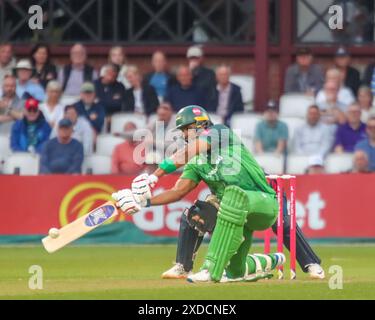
(368, 145)
(271, 135)
(159, 78)
(348, 134)
(62, 154)
(93, 111)
(26, 88)
(29, 133)
(184, 93)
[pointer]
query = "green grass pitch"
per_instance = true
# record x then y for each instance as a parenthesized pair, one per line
(133, 272)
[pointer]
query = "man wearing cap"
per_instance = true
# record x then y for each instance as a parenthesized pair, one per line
(88, 107)
(29, 133)
(203, 77)
(62, 154)
(350, 75)
(304, 76)
(271, 134)
(109, 91)
(26, 88)
(315, 165)
(7, 61)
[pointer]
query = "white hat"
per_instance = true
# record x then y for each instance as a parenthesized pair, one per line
(316, 160)
(194, 52)
(24, 64)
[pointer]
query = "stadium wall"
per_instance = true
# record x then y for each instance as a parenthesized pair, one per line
(328, 207)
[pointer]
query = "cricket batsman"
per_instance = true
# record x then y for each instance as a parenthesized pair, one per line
(215, 155)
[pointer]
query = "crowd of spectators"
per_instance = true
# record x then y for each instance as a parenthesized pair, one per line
(340, 120)
(32, 111)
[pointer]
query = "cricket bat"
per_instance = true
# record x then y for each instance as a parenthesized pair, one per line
(80, 227)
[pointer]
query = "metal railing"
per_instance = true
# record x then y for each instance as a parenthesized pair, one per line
(131, 21)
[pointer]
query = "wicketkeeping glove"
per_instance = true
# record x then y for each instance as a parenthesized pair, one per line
(126, 201)
(141, 187)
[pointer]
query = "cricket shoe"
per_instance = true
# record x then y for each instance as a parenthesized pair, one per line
(176, 272)
(315, 271)
(226, 279)
(201, 276)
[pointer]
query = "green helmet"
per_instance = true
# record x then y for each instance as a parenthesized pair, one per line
(192, 114)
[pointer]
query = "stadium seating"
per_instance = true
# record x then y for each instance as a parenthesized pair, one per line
(338, 163)
(270, 163)
(215, 118)
(66, 100)
(105, 144)
(118, 121)
(245, 123)
(22, 163)
(293, 124)
(297, 164)
(97, 164)
(246, 83)
(295, 105)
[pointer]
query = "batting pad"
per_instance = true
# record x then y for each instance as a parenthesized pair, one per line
(228, 234)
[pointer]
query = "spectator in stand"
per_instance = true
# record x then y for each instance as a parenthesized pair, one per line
(159, 78)
(368, 145)
(369, 77)
(45, 70)
(139, 98)
(314, 137)
(203, 77)
(342, 99)
(73, 75)
(315, 165)
(117, 57)
(360, 162)
(185, 93)
(63, 154)
(29, 133)
(52, 109)
(82, 130)
(7, 61)
(124, 158)
(228, 95)
(11, 106)
(109, 91)
(271, 135)
(93, 111)
(350, 133)
(162, 128)
(26, 87)
(304, 76)
(351, 76)
(330, 106)
(365, 99)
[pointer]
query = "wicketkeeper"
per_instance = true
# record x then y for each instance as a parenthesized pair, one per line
(215, 155)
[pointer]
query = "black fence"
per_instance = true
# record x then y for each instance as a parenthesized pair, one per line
(131, 21)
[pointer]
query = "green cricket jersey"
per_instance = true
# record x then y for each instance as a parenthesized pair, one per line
(228, 162)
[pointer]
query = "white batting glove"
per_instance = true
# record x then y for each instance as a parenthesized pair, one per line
(141, 187)
(126, 201)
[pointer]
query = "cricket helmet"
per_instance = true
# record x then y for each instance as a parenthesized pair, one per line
(192, 114)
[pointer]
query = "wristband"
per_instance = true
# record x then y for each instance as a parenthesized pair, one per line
(168, 165)
(148, 203)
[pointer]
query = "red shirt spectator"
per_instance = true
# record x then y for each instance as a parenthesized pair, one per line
(125, 156)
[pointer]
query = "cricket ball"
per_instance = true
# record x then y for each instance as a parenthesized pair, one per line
(53, 233)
